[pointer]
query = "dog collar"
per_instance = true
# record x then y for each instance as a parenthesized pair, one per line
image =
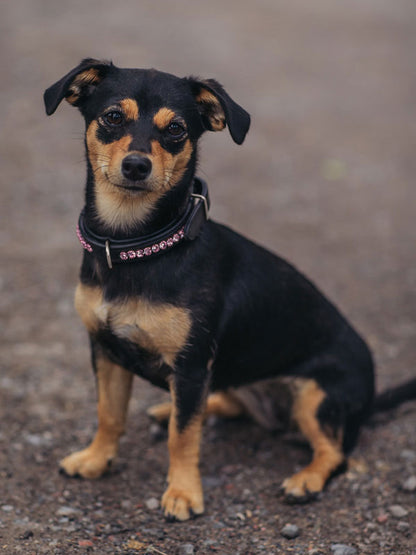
(187, 227)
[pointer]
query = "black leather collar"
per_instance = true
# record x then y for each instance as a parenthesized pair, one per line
(185, 228)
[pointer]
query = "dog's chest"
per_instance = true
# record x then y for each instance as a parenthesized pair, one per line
(159, 328)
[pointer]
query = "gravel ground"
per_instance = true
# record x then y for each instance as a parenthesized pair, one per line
(325, 178)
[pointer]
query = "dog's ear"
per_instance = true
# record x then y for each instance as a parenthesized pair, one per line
(76, 85)
(218, 109)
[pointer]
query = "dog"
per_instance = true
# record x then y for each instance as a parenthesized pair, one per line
(186, 303)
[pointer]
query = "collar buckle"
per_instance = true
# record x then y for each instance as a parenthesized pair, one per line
(204, 200)
(108, 254)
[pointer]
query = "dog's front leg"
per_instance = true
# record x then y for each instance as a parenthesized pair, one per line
(114, 389)
(184, 497)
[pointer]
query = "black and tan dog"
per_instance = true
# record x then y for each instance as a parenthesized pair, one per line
(185, 302)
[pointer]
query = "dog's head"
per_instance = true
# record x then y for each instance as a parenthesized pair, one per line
(142, 127)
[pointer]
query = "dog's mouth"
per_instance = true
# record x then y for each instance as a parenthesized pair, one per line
(133, 188)
(129, 187)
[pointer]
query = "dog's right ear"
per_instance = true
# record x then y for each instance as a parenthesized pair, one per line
(76, 85)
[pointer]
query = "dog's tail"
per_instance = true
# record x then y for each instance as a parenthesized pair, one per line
(395, 396)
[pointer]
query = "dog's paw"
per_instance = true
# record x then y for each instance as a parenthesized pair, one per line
(303, 487)
(182, 504)
(88, 463)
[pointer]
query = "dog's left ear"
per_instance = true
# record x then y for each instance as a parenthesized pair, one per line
(218, 109)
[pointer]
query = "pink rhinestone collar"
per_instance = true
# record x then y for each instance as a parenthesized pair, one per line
(187, 227)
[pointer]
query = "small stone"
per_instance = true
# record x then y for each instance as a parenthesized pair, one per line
(126, 504)
(382, 518)
(374, 537)
(33, 439)
(134, 545)
(210, 543)
(85, 543)
(157, 432)
(403, 526)
(71, 528)
(152, 504)
(290, 531)
(218, 524)
(66, 511)
(341, 549)
(186, 549)
(7, 508)
(410, 484)
(37, 440)
(398, 511)
(408, 454)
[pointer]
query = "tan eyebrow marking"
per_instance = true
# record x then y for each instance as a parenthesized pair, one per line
(163, 117)
(130, 108)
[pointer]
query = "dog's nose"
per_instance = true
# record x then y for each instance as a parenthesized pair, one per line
(135, 167)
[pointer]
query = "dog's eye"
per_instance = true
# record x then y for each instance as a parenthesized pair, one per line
(113, 117)
(176, 129)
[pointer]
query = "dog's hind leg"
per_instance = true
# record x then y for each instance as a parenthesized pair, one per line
(114, 389)
(219, 403)
(327, 446)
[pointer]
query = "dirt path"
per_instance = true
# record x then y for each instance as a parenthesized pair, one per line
(325, 178)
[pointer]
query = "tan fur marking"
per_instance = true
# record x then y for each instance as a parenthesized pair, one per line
(159, 328)
(130, 109)
(168, 169)
(160, 412)
(223, 404)
(212, 109)
(184, 493)
(327, 451)
(207, 97)
(116, 207)
(90, 307)
(218, 404)
(88, 76)
(84, 78)
(114, 389)
(163, 118)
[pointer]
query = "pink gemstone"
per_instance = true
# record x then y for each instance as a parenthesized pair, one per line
(89, 248)
(147, 251)
(163, 245)
(176, 238)
(169, 242)
(131, 254)
(140, 253)
(181, 233)
(155, 248)
(124, 255)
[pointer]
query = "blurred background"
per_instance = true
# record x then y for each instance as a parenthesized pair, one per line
(325, 177)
